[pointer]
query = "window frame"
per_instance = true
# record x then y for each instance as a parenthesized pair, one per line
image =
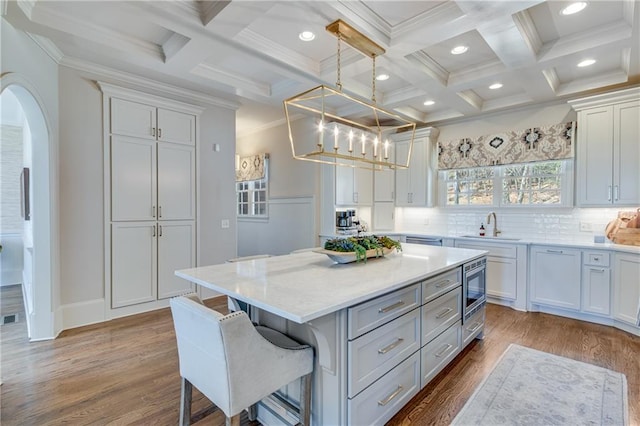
(566, 188)
(252, 192)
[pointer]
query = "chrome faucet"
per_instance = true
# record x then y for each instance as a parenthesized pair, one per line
(496, 231)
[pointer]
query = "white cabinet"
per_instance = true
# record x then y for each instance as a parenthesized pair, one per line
(415, 186)
(555, 277)
(150, 197)
(383, 216)
(353, 186)
(607, 149)
(596, 283)
(502, 267)
(384, 183)
(146, 121)
(626, 288)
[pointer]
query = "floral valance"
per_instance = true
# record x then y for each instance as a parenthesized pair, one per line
(520, 146)
(250, 168)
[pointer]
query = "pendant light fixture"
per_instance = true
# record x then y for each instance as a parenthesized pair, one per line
(347, 130)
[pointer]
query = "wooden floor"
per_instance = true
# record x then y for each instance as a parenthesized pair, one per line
(126, 371)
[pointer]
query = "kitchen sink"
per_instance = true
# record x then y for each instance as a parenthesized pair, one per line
(490, 238)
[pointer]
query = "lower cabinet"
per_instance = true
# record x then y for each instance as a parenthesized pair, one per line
(596, 283)
(555, 277)
(148, 253)
(437, 353)
(626, 288)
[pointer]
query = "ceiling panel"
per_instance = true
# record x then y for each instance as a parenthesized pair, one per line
(397, 12)
(479, 52)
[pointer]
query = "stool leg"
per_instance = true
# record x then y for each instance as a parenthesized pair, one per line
(305, 400)
(185, 402)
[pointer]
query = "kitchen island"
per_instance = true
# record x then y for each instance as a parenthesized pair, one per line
(380, 329)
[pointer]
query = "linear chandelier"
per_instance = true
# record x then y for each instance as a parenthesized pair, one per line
(347, 131)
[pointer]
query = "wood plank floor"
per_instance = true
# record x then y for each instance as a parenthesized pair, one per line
(126, 371)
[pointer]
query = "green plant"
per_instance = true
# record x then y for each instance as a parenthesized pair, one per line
(360, 245)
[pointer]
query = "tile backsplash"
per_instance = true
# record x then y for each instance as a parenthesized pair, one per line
(576, 224)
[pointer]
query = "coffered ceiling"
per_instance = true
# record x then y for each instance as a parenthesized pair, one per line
(250, 52)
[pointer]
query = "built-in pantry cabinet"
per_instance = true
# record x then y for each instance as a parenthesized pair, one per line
(150, 197)
(608, 149)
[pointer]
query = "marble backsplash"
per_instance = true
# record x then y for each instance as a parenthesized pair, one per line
(561, 224)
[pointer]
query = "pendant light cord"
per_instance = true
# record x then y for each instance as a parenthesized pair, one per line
(339, 83)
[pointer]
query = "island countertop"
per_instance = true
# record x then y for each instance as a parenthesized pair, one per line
(304, 286)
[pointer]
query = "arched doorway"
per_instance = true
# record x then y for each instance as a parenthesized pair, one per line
(40, 248)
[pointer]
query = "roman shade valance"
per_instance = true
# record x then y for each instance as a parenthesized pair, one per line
(521, 146)
(250, 168)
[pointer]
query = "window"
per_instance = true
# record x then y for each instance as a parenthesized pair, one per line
(545, 183)
(252, 197)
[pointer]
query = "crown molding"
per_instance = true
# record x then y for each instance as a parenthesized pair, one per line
(527, 28)
(47, 46)
(608, 98)
(446, 11)
(552, 78)
(146, 83)
(429, 66)
(233, 80)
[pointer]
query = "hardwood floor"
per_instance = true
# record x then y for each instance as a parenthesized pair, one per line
(126, 371)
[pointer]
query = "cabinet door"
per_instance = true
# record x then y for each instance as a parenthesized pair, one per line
(555, 277)
(403, 177)
(502, 277)
(133, 119)
(626, 288)
(176, 250)
(596, 290)
(133, 179)
(384, 183)
(363, 186)
(418, 173)
(345, 192)
(626, 153)
(176, 182)
(595, 156)
(176, 127)
(133, 263)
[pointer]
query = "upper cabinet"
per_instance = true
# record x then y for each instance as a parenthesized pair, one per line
(354, 186)
(140, 120)
(415, 186)
(607, 149)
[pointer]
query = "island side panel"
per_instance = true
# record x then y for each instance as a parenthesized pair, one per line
(328, 336)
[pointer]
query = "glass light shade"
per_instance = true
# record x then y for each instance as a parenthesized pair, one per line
(346, 130)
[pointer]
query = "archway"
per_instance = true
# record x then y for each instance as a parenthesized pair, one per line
(43, 251)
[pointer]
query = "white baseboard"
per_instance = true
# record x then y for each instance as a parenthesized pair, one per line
(82, 313)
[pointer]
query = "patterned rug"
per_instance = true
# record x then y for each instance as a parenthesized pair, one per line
(529, 387)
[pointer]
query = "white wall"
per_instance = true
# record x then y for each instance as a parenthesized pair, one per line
(293, 191)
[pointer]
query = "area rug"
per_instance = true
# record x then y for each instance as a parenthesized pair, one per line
(529, 387)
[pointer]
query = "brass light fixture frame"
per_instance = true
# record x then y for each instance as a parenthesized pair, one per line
(315, 101)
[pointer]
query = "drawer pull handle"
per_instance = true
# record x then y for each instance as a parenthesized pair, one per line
(476, 325)
(444, 312)
(555, 251)
(446, 349)
(390, 307)
(443, 283)
(597, 269)
(596, 259)
(391, 346)
(391, 396)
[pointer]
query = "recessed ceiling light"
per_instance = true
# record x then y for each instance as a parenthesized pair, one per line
(574, 8)
(458, 50)
(495, 86)
(306, 36)
(428, 103)
(382, 77)
(586, 63)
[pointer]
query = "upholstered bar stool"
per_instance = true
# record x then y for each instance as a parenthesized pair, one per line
(234, 363)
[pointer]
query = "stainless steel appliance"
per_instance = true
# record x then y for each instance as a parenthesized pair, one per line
(474, 286)
(344, 221)
(426, 241)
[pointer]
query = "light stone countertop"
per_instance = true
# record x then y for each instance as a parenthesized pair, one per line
(304, 286)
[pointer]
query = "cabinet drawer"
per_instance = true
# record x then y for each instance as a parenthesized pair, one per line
(441, 284)
(375, 353)
(380, 401)
(437, 354)
(595, 258)
(498, 250)
(374, 313)
(473, 326)
(439, 314)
